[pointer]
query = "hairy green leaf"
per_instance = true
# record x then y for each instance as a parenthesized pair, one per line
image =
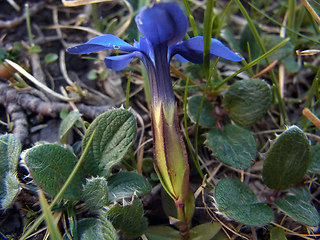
(248, 101)
(235, 146)
(126, 184)
(116, 130)
(287, 160)
(238, 201)
(95, 193)
(50, 166)
(129, 218)
(10, 148)
(98, 229)
(298, 207)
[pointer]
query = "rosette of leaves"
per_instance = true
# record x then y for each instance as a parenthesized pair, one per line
(50, 164)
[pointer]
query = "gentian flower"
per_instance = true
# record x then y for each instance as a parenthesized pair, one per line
(163, 26)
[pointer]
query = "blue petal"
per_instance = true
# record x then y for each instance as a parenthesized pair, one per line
(119, 62)
(192, 50)
(100, 43)
(162, 23)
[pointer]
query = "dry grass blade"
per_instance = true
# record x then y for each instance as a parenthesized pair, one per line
(311, 117)
(311, 10)
(38, 83)
(75, 3)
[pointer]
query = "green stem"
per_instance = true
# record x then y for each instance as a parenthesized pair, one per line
(128, 92)
(191, 19)
(207, 37)
(251, 64)
(62, 190)
(29, 25)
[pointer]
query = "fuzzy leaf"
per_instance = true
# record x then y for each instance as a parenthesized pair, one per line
(298, 207)
(206, 118)
(116, 130)
(238, 201)
(11, 189)
(66, 125)
(95, 193)
(235, 146)
(50, 165)
(248, 101)
(98, 229)
(126, 184)
(287, 160)
(10, 148)
(129, 218)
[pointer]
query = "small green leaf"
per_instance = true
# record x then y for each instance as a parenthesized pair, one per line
(248, 101)
(287, 160)
(50, 58)
(11, 187)
(129, 218)
(291, 64)
(126, 184)
(92, 75)
(98, 229)
(162, 233)
(51, 225)
(298, 207)
(50, 166)
(205, 231)
(206, 117)
(238, 201)
(270, 41)
(66, 125)
(277, 233)
(95, 193)
(235, 146)
(35, 49)
(116, 130)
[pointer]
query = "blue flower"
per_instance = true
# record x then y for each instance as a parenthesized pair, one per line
(163, 26)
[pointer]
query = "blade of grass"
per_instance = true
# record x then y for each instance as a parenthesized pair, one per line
(252, 63)
(292, 18)
(194, 159)
(62, 190)
(281, 25)
(272, 74)
(51, 225)
(191, 19)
